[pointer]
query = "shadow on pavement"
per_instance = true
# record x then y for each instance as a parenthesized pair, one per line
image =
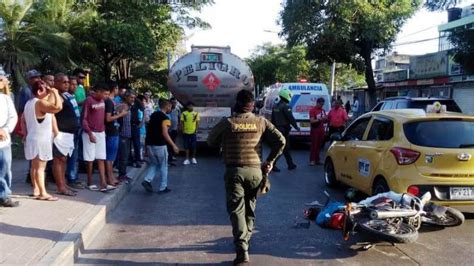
(307, 249)
(16, 230)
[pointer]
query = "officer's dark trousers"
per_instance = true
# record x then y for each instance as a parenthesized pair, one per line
(286, 152)
(241, 184)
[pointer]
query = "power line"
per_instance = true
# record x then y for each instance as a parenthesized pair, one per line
(416, 32)
(413, 42)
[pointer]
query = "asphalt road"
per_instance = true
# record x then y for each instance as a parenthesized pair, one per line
(189, 225)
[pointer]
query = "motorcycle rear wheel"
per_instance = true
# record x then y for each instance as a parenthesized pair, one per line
(395, 233)
(452, 217)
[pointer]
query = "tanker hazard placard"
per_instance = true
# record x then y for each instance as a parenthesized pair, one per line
(211, 81)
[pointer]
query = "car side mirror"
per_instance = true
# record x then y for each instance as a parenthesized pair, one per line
(336, 137)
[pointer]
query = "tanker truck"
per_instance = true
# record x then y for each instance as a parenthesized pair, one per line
(210, 77)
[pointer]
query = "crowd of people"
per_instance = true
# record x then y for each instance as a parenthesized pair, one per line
(65, 125)
(323, 124)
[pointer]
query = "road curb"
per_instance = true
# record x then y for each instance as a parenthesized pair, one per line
(81, 235)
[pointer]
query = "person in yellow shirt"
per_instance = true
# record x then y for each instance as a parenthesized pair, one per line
(190, 123)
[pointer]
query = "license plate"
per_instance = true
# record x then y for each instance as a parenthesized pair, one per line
(304, 124)
(461, 193)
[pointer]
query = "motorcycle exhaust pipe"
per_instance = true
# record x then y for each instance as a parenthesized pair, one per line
(382, 214)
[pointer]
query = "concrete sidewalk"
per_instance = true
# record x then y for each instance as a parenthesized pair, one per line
(50, 233)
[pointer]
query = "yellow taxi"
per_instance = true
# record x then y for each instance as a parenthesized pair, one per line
(406, 150)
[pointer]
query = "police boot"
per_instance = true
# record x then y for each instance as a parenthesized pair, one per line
(242, 258)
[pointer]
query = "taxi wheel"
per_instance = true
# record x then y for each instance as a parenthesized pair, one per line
(329, 174)
(380, 186)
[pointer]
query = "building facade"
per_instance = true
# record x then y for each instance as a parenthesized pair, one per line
(433, 74)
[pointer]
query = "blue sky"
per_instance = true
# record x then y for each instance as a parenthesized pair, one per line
(244, 24)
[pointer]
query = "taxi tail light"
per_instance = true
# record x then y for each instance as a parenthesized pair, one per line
(405, 156)
(413, 190)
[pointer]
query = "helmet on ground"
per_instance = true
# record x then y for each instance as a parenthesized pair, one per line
(285, 94)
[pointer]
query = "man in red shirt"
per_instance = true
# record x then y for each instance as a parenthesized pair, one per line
(93, 137)
(317, 118)
(337, 118)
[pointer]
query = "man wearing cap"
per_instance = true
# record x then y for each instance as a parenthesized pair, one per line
(25, 92)
(240, 137)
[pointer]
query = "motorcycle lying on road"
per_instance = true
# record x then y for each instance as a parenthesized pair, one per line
(428, 213)
(388, 216)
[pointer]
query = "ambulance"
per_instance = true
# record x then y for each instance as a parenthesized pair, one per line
(304, 98)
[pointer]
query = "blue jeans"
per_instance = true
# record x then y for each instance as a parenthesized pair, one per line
(5, 172)
(71, 168)
(136, 156)
(158, 162)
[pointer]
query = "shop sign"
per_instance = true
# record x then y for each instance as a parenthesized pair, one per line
(461, 78)
(396, 75)
(429, 65)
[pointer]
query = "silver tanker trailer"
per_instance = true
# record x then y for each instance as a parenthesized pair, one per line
(210, 77)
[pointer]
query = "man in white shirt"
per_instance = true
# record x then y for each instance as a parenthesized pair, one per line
(8, 120)
(355, 108)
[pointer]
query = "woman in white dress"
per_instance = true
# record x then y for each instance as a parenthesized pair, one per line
(39, 125)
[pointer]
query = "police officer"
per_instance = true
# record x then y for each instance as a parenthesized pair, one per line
(240, 137)
(282, 118)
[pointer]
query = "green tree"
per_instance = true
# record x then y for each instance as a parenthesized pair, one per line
(463, 51)
(275, 63)
(34, 34)
(278, 63)
(132, 43)
(16, 46)
(56, 19)
(346, 31)
(440, 4)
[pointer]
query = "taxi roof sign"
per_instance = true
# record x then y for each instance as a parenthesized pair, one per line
(436, 107)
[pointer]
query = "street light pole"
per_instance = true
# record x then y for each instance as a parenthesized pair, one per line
(333, 73)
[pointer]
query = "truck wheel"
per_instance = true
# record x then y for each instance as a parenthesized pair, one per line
(329, 174)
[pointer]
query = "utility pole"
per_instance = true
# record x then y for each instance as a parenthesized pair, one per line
(333, 73)
(168, 56)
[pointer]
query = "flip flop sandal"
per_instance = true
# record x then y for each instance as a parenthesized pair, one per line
(71, 189)
(70, 193)
(114, 184)
(104, 190)
(51, 198)
(93, 187)
(109, 187)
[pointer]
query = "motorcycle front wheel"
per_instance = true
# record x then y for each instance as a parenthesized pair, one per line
(391, 232)
(451, 217)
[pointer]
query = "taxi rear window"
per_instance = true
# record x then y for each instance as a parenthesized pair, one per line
(446, 133)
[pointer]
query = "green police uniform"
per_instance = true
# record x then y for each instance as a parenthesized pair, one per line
(240, 137)
(282, 118)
